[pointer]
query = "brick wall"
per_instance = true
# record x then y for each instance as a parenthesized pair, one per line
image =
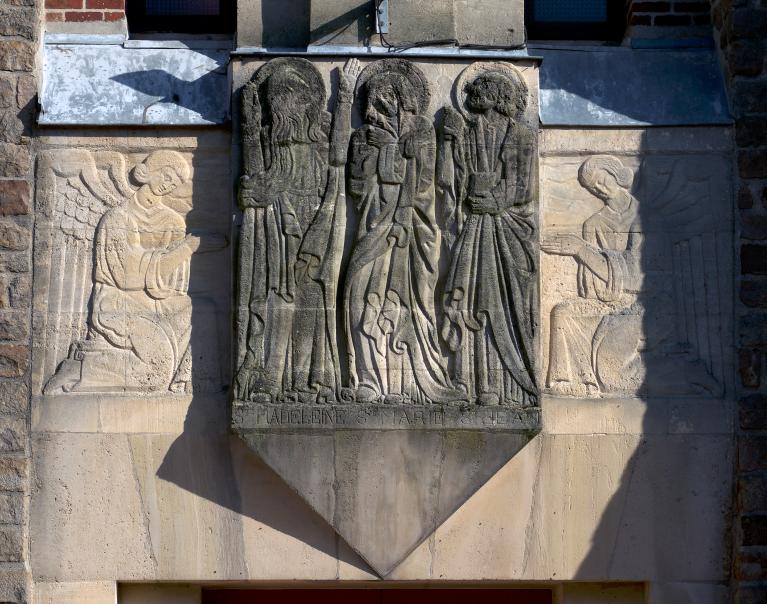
(676, 13)
(19, 32)
(741, 27)
(79, 11)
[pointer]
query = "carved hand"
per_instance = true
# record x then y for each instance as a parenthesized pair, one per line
(563, 245)
(380, 138)
(348, 77)
(254, 192)
(483, 204)
(409, 146)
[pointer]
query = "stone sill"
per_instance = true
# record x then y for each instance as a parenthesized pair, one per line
(102, 81)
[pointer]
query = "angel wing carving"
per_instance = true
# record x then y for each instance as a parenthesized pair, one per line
(680, 207)
(75, 188)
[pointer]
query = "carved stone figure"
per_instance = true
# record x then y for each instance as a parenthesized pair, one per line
(139, 327)
(292, 194)
(392, 272)
(594, 339)
(600, 342)
(487, 171)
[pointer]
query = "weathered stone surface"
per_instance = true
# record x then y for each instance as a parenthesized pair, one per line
(11, 508)
(642, 263)
(11, 544)
(14, 197)
(14, 360)
(379, 395)
(661, 502)
(14, 397)
(16, 55)
(80, 592)
(111, 236)
(17, 22)
(13, 435)
(13, 473)
(13, 586)
(13, 236)
(14, 161)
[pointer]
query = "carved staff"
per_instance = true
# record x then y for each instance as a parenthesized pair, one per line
(252, 167)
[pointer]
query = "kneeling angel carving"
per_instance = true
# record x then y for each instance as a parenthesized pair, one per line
(632, 330)
(139, 324)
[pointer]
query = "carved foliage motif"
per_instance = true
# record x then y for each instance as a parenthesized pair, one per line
(438, 297)
(120, 274)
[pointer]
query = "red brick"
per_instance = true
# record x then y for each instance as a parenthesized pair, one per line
(51, 16)
(114, 16)
(105, 4)
(650, 7)
(640, 20)
(691, 7)
(752, 456)
(671, 20)
(752, 163)
(14, 360)
(753, 259)
(83, 16)
(63, 3)
(750, 367)
(14, 197)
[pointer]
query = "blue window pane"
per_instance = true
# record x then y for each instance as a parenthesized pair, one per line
(568, 11)
(182, 7)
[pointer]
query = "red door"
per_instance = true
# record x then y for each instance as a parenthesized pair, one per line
(377, 596)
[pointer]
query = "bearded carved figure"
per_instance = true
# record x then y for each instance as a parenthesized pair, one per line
(292, 234)
(487, 172)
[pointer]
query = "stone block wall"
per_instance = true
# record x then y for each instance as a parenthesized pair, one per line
(18, 38)
(742, 32)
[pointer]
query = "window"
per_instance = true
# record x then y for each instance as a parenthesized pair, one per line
(575, 19)
(180, 16)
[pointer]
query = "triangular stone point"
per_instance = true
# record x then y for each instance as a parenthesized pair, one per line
(384, 491)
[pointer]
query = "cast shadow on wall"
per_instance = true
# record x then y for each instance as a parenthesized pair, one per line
(210, 462)
(650, 324)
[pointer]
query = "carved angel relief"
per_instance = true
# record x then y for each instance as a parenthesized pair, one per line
(121, 259)
(603, 341)
(398, 339)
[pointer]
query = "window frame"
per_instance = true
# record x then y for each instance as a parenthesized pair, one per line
(141, 23)
(610, 30)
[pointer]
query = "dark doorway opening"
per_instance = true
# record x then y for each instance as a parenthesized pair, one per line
(377, 596)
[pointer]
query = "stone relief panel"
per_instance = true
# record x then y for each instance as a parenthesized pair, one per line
(116, 252)
(387, 258)
(637, 259)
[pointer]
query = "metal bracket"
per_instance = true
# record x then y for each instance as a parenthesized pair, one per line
(382, 16)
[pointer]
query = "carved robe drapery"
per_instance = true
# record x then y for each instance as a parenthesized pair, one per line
(139, 301)
(392, 273)
(595, 340)
(491, 290)
(292, 234)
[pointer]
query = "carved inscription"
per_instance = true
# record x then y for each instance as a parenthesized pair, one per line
(437, 299)
(397, 417)
(124, 255)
